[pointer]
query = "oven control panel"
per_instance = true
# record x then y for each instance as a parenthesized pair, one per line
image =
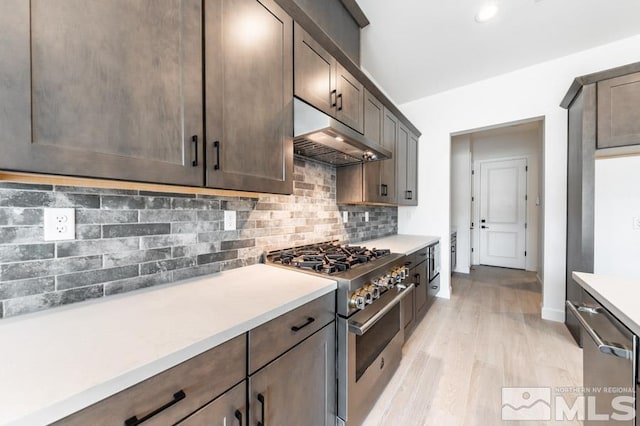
(367, 294)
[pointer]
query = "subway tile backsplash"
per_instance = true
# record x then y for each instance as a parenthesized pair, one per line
(127, 239)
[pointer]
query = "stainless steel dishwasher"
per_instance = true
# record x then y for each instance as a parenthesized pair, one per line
(610, 363)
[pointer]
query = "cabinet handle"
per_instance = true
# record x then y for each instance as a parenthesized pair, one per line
(417, 278)
(434, 287)
(409, 195)
(383, 190)
(297, 328)
(238, 415)
(333, 99)
(194, 140)
(261, 400)
(216, 145)
(134, 421)
(340, 97)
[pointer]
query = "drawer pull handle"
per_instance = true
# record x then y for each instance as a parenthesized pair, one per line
(134, 421)
(417, 278)
(434, 287)
(261, 400)
(238, 416)
(297, 328)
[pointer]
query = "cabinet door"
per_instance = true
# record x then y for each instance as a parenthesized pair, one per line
(402, 148)
(228, 409)
(349, 100)
(411, 197)
(15, 96)
(115, 89)
(371, 182)
(388, 167)
(619, 111)
(408, 310)
(249, 95)
(373, 114)
(299, 388)
(315, 72)
(419, 275)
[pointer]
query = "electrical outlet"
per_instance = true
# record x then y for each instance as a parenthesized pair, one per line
(345, 217)
(229, 220)
(636, 223)
(366, 216)
(59, 224)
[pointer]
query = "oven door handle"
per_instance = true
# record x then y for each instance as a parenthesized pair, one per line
(605, 347)
(360, 329)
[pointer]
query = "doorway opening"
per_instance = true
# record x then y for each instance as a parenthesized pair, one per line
(497, 196)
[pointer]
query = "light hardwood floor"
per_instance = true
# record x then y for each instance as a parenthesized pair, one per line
(488, 335)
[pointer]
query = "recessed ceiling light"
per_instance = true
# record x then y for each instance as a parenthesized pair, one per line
(487, 12)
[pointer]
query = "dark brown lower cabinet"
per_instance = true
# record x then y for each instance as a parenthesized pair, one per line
(299, 387)
(414, 305)
(408, 311)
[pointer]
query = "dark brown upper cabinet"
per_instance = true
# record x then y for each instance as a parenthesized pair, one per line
(373, 116)
(113, 90)
(249, 96)
(407, 167)
(372, 182)
(619, 111)
(322, 82)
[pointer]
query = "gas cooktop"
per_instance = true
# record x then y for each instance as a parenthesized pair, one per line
(328, 258)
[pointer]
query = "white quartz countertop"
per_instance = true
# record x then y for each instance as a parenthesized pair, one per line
(400, 243)
(57, 362)
(621, 296)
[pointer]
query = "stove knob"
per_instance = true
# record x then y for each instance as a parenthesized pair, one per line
(375, 292)
(357, 301)
(405, 272)
(368, 297)
(380, 282)
(390, 281)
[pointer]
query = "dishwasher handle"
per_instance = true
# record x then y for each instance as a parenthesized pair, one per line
(605, 347)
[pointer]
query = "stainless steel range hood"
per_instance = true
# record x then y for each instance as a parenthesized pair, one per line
(325, 139)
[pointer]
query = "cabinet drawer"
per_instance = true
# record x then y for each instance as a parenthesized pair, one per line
(277, 336)
(201, 379)
(227, 409)
(417, 257)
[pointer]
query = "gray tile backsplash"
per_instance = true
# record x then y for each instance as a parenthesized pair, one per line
(127, 239)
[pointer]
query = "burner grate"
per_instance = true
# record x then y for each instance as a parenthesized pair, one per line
(329, 257)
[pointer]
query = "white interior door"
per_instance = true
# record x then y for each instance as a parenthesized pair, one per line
(503, 213)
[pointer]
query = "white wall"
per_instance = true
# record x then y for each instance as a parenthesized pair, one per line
(461, 199)
(617, 202)
(521, 141)
(531, 92)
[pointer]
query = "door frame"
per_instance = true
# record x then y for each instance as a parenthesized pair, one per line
(475, 203)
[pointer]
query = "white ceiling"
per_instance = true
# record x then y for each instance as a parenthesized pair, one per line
(415, 48)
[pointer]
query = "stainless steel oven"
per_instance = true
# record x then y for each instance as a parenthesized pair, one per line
(370, 350)
(371, 284)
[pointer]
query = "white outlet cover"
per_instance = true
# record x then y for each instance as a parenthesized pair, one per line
(345, 217)
(636, 223)
(59, 224)
(366, 216)
(229, 220)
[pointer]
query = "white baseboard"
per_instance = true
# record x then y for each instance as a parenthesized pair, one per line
(553, 314)
(539, 280)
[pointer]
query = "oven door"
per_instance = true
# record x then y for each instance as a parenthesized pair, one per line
(369, 352)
